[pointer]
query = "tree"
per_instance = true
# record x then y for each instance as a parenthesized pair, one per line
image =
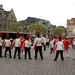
(33, 27)
(59, 30)
(14, 26)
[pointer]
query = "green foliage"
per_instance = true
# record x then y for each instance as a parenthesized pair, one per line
(59, 30)
(40, 27)
(14, 26)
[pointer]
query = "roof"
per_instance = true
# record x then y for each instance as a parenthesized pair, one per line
(14, 32)
(6, 13)
(72, 19)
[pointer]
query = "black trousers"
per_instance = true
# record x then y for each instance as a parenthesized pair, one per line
(47, 44)
(17, 49)
(44, 46)
(51, 50)
(61, 54)
(38, 49)
(7, 49)
(0, 51)
(27, 50)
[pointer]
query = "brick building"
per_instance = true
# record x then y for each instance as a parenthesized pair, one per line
(70, 27)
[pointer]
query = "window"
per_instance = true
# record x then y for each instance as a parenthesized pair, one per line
(69, 33)
(11, 20)
(4, 26)
(14, 21)
(11, 16)
(0, 14)
(4, 20)
(0, 26)
(69, 26)
(72, 26)
(8, 20)
(0, 20)
(71, 21)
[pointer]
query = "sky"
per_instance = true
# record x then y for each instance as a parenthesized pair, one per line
(56, 11)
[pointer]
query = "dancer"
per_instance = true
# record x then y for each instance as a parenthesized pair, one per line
(38, 46)
(27, 46)
(66, 46)
(59, 46)
(51, 45)
(17, 44)
(44, 41)
(7, 44)
(22, 44)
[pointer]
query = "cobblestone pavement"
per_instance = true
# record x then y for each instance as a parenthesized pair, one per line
(38, 67)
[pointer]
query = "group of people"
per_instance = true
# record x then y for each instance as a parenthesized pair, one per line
(21, 44)
(60, 46)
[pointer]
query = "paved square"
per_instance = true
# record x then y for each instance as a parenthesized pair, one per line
(38, 67)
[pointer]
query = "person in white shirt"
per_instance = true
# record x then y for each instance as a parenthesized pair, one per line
(51, 45)
(38, 43)
(17, 44)
(7, 43)
(59, 49)
(44, 41)
(27, 47)
(47, 42)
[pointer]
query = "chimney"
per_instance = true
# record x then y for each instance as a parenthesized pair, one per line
(1, 6)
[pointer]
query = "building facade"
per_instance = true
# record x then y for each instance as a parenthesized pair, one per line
(70, 27)
(6, 17)
(30, 20)
(52, 27)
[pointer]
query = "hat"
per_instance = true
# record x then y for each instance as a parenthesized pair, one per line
(28, 35)
(22, 35)
(59, 36)
(17, 33)
(0, 33)
(38, 32)
(7, 34)
(52, 36)
(44, 35)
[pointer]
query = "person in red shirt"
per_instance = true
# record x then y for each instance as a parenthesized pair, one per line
(55, 40)
(66, 46)
(1, 43)
(22, 43)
